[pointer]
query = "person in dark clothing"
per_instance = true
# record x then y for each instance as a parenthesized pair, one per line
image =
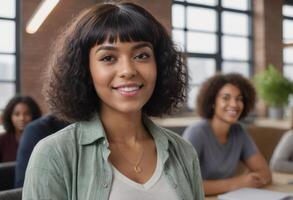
(19, 111)
(32, 134)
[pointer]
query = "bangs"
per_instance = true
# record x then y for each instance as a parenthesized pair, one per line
(119, 24)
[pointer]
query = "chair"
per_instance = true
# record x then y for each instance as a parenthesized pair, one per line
(13, 194)
(7, 171)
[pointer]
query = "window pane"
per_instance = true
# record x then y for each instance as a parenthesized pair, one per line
(288, 55)
(178, 38)
(178, 13)
(235, 23)
(288, 10)
(204, 2)
(7, 8)
(236, 67)
(236, 4)
(191, 97)
(235, 48)
(7, 67)
(203, 19)
(199, 69)
(201, 42)
(7, 92)
(7, 35)
(288, 71)
(288, 29)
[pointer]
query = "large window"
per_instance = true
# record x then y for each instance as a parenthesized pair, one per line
(9, 50)
(216, 35)
(288, 40)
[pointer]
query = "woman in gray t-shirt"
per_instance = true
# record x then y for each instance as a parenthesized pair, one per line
(220, 141)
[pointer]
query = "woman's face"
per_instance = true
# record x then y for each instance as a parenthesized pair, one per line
(124, 75)
(21, 116)
(228, 104)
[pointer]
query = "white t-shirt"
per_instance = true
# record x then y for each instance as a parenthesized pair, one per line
(156, 188)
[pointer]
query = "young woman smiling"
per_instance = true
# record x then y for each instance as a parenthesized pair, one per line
(112, 68)
(220, 141)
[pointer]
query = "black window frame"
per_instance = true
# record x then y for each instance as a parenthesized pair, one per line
(16, 54)
(218, 56)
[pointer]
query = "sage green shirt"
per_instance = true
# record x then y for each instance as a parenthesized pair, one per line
(73, 164)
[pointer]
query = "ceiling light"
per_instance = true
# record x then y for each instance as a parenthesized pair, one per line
(39, 16)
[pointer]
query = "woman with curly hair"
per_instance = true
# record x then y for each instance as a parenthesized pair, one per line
(19, 111)
(221, 141)
(112, 68)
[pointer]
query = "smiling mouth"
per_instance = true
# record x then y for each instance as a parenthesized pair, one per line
(128, 89)
(232, 112)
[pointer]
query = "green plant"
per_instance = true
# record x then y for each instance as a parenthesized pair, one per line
(273, 87)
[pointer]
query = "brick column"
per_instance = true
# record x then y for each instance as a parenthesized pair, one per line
(268, 35)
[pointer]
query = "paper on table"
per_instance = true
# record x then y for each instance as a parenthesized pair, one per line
(255, 194)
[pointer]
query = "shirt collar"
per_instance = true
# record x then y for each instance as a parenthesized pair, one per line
(93, 130)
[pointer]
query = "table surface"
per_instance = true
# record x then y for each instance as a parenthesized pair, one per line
(280, 184)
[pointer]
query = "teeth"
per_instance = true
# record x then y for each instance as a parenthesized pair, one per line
(232, 112)
(128, 89)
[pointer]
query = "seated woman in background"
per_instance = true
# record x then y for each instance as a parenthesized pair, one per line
(282, 159)
(19, 111)
(221, 142)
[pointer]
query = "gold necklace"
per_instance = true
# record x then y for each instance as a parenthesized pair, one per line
(136, 166)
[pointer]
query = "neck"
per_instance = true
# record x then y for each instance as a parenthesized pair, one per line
(123, 128)
(220, 128)
(17, 135)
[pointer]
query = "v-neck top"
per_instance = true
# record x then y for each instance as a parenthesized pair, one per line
(217, 160)
(156, 188)
(72, 164)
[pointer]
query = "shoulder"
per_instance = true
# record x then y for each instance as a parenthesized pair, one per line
(288, 135)
(196, 130)
(5, 136)
(183, 147)
(286, 139)
(57, 144)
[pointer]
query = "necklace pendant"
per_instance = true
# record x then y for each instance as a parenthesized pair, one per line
(137, 169)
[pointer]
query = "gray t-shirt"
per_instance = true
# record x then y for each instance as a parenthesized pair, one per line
(218, 161)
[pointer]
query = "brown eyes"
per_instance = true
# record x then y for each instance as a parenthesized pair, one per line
(112, 58)
(226, 98)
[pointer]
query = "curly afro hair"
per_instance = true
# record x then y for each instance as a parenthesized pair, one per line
(210, 88)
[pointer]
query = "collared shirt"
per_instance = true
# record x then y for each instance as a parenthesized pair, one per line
(73, 164)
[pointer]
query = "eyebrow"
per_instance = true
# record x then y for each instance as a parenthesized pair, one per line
(110, 47)
(240, 95)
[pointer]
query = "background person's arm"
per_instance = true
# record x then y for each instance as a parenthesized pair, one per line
(257, 164)
(283, 154)
(213, 187)
(258, 176)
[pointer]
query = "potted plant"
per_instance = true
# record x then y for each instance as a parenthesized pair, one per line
(274, 89)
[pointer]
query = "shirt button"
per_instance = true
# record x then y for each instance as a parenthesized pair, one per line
(105, 185)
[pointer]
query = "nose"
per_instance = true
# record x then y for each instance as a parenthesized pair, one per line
(127, 69)
(233, 102)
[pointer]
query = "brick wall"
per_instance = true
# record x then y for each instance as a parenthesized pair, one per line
(268, 34)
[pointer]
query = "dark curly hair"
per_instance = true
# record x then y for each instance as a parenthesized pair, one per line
(8, 110)
(210, 88)
(69, 89)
